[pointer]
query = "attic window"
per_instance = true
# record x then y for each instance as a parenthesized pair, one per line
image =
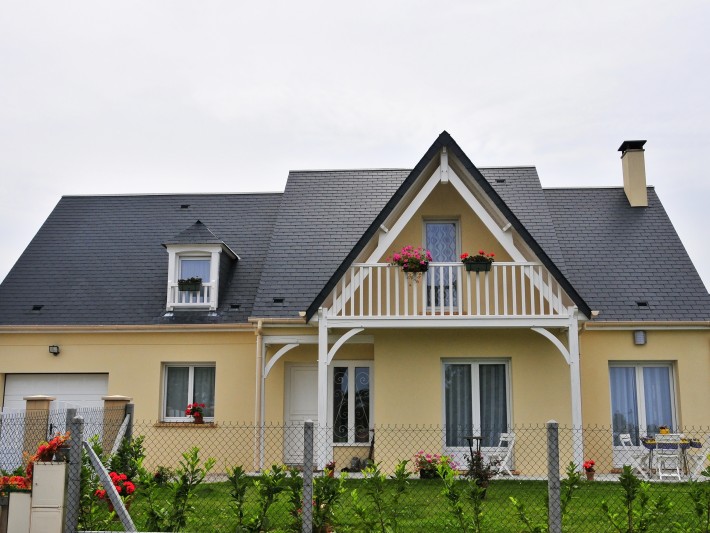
(234, 306)
(184, 206)
(500, 180)
(642, 304)
(279, 300)
(37, 307)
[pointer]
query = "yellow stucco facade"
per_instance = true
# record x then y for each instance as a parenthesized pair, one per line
(407, 367)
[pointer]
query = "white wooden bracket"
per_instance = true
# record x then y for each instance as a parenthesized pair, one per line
(278, 355)
(342, 340)
(554, 340)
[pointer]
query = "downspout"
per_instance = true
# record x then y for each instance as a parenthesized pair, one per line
(258, 433)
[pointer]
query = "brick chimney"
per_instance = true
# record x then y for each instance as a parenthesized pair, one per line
(634, 167)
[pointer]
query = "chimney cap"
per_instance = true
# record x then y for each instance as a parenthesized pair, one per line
(631, 145)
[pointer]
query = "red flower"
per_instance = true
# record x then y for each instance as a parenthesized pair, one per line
(100, 494)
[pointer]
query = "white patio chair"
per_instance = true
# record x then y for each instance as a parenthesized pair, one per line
(638, 460)
(668, 455)
(501, 455)
(696, 461)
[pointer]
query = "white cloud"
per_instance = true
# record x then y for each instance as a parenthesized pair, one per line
(165, 96)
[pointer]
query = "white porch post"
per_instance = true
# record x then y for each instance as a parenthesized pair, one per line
(575, 387)
(321, 438)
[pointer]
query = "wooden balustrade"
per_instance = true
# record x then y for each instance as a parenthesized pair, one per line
(509, 289)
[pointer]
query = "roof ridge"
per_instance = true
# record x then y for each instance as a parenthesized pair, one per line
(591, 187)
(165, 195)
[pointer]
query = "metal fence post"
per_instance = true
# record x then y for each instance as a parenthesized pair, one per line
(554, 508)
(307, 505)
(75, 426)
(129, 410)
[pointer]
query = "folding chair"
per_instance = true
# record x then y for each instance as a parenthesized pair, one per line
(669, 454)
(501, 455)
(639, 460)
(696, 461)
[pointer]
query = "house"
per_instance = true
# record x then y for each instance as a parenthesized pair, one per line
(592, 313)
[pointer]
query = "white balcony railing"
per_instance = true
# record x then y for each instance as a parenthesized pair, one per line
(379, 290)
(205, 297)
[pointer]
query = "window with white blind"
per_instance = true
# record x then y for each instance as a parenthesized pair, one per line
(184, 384)
(476, 401)
(642, 398)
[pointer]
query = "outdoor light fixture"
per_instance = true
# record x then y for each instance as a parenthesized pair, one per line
(54, 350)
(639, 337)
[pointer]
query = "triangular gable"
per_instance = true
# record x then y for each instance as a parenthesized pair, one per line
(440, 149)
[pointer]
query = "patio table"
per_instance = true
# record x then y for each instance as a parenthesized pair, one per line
(650, 444)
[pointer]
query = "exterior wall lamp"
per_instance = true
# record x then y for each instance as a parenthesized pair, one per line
(639, 337)
(54, 350)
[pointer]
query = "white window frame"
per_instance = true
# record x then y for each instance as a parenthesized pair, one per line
(638, 367)
(351, 364)
(190, 390)
(178, 252)
(459, 451)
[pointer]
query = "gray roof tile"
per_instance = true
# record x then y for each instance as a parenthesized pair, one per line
(99, 260)
(617, 255)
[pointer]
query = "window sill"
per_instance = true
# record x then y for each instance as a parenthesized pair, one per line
(185, 425)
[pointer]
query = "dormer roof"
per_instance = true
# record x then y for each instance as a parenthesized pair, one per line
(198, 234)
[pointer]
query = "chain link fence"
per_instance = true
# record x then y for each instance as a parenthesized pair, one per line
(230, 477)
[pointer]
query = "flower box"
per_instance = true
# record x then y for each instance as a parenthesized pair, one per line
(190, 284)
(478, 266)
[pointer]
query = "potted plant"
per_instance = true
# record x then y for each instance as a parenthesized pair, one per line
(427, 463)
(195, 410)
(411, 260)
(190, 284)
(589, 469)
(480, 471)
(664, 430)
(480, 262)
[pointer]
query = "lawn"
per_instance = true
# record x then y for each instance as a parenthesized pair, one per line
(426, 510)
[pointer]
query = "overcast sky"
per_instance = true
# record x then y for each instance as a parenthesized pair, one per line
(173, 96)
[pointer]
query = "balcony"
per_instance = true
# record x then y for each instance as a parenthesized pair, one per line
(205, 298)
(447, 291)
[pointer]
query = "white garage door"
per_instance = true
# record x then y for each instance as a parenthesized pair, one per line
(70, 390)
(82, 391)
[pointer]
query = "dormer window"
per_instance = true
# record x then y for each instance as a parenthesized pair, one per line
(195, 258)
(194, 267)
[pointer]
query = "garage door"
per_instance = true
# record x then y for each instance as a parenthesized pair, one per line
(70, 390)
(82, 391)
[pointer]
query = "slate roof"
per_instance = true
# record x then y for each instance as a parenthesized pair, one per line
(322, 216)
(618, 255)
(100, 260)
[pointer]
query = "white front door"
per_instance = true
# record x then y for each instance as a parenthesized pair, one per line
(301, 404)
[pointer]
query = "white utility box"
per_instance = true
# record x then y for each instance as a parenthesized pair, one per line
(48, 486)
(18, 512)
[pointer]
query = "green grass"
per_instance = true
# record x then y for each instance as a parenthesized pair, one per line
(425, 509)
